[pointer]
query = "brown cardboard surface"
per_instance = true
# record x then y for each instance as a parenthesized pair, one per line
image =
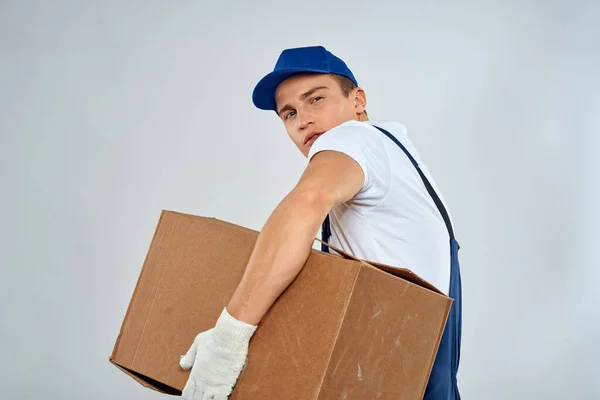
(385, 348)
(342, 329)
(298, 334)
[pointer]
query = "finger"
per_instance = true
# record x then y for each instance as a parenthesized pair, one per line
(188, 359)
(200, 391)
(220, 393)
(188, 390)
(209, 394)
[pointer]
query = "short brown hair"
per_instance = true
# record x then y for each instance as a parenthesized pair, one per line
(346, 84)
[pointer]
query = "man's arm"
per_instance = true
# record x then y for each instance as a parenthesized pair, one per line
(286, 239)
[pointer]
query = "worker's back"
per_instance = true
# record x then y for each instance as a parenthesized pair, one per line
(393, 219)
(399, 218)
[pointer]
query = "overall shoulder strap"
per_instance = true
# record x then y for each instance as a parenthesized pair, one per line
(326, 228)
(432, 193)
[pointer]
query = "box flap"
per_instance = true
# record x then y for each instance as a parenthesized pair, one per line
(147, 382)
(403, 273)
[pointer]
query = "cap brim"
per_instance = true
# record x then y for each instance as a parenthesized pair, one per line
(263, 95)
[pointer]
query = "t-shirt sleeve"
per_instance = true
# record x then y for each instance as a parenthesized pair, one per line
(365, 146)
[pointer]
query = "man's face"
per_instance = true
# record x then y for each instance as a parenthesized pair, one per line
(312, 104)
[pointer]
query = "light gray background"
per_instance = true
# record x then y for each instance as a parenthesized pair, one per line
(110, 112)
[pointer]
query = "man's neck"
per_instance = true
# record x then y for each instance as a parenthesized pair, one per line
(362, 117)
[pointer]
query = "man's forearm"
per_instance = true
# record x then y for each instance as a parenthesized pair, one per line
(281, 250)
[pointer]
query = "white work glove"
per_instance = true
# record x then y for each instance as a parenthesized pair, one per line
(217, 358)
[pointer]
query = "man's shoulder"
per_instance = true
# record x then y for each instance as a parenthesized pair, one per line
(359, 139)
(352, 126)
(362, 127)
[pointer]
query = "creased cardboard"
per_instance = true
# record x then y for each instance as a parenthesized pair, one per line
(344, 329)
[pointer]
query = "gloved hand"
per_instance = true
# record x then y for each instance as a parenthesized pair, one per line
(217, 358)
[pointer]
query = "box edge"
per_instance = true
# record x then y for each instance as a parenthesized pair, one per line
(384, 267)
(136, 288)
(339, 328)
(449, 303)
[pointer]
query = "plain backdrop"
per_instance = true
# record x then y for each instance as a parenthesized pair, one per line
(111, 111)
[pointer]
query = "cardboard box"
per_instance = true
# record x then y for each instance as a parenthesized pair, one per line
(344, 329)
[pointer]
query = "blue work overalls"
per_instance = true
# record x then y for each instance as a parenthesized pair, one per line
(442, 383)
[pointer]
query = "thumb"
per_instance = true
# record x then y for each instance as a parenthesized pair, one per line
(188, 359)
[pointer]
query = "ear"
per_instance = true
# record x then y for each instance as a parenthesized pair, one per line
(360, 100)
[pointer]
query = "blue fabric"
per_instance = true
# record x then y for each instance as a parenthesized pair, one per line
(442, 383)
(316, 59)
(325, 234)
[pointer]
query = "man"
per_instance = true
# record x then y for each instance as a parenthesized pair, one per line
(378, 202)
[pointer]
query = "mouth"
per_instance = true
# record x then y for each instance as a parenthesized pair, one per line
(311, 139)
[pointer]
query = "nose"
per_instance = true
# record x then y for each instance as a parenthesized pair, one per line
(306, 119)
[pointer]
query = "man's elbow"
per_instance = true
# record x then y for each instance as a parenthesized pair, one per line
(312, 200)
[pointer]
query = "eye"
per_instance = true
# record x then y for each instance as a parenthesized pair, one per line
(290, 114)
(317, 98)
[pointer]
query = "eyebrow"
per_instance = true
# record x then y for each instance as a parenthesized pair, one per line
(303, 96)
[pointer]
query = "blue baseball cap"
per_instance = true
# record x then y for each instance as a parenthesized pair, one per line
(294, 61)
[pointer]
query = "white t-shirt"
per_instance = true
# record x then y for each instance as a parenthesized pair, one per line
(392, 219)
